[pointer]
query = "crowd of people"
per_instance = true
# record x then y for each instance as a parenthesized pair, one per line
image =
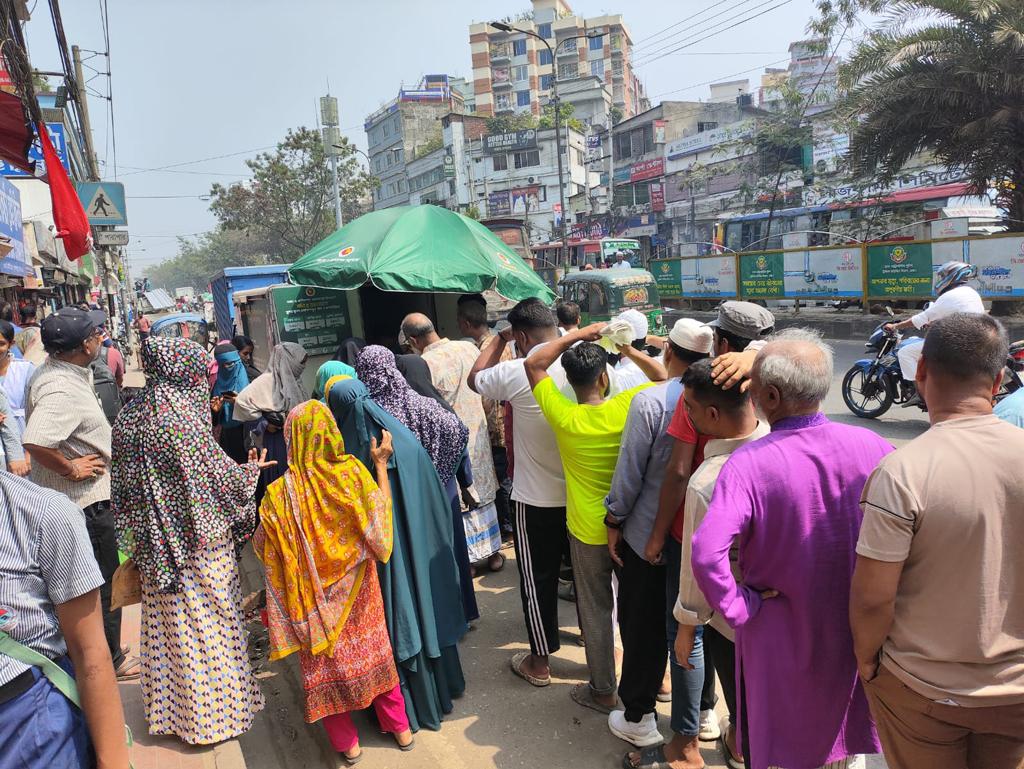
(721, 533)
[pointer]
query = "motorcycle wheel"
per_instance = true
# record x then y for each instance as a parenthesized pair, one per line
(866, 395)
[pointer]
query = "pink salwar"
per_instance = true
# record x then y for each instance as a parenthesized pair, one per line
(390, 707)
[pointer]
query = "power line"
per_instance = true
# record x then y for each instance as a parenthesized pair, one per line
(203, 160)
(719, 79)
(691, 28)
(716, 32)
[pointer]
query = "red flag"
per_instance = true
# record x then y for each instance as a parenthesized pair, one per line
(68, 214)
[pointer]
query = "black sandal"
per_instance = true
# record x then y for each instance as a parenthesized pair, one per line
(650, 758)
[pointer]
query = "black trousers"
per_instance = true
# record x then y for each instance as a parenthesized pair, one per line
(642, 629)
(501, 500)
(99, 522)
(723, 653)
(540, 537)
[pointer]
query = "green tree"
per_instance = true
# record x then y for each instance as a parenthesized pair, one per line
(565, 116)
(513, 121)
(201, 258)
(288, 203)
(944, 77)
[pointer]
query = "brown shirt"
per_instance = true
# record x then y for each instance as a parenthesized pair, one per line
(950, 506)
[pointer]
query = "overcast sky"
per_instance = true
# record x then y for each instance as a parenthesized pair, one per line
(195, 79)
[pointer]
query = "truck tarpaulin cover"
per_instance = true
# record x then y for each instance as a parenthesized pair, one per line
(68, 214)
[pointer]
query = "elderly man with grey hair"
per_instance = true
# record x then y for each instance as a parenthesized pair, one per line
(789, 502)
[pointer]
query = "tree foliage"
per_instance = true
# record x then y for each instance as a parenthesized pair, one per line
(288, 203)
(565, 116)
(201, 258)
(513, 121)
(944, 77)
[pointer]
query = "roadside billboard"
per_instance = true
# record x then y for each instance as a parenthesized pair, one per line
(709, 277)
(900, 270)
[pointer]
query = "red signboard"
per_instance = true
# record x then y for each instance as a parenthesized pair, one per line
(657, 196)
(647, 169)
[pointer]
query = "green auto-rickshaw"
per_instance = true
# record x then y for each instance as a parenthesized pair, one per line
(603, 294)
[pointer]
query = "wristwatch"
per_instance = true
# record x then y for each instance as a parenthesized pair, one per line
(612, 523)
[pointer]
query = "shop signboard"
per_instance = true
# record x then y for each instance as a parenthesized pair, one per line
(58, 139)
(709, 277)
(647, 169)
(900, 270)
(498, 204)
(16, 261)
(449, 167)
(511, 141)
(762, 275)
(666, 274)
(316, 318)
(657, 190)
(823, 272)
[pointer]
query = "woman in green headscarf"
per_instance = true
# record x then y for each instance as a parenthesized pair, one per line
(420, 583)
(326, 373)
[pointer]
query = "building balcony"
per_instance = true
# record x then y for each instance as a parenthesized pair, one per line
(566, 50)
(501, 53)
(499, 85)
(620, 75)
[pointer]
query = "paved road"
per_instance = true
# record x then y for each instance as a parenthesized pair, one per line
(501, 721)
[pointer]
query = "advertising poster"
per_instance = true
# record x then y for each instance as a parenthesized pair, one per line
(900, 270)
(657, 196)
(316, 318)
(498, 204)
(525, 199)
(823, 273)
(709, 277)
(762, 275)
(1000, 263)
(666, 274)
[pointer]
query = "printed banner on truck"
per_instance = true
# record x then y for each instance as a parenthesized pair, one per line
(900, 270)
(316, 318)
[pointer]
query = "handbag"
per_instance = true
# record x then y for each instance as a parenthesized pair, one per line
(126, 585)
(58, 676)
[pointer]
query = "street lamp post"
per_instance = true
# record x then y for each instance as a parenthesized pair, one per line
(502, 27)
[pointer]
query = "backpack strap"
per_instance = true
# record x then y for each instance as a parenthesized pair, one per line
(57, 675)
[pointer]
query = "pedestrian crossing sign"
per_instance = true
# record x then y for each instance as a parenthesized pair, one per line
(103, 202)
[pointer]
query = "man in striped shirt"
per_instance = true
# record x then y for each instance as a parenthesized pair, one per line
(68, 437)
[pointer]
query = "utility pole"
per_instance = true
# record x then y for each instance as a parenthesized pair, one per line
(83, 107)
(329, 117)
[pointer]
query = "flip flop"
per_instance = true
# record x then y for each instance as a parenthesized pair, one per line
(517, 667)
(664, 697)
(731, 761)
(650, 758)
(352, 761)
(129, 670)
(583, 695)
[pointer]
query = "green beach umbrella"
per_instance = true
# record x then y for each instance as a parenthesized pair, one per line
(418, 248)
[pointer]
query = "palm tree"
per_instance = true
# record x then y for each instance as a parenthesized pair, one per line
(946, 78)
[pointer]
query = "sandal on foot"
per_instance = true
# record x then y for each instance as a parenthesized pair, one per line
(650, 758)
(408, 746)
(664, 697)
(517, 667)
(500, 564)
(583, 695)
(129, 670)
(731, 760)
(350, 760)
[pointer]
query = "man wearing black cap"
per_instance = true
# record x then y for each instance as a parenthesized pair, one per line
(68, 437)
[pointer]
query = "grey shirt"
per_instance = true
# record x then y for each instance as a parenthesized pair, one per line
(643, 456)
(63, 413)
(46, 559)
(10, 441)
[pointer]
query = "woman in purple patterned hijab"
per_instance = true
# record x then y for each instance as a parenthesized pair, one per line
(442, 434)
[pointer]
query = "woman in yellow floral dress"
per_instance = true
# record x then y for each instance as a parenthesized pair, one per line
(324, 525)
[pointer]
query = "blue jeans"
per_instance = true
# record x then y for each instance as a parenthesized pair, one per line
(41, 729)
(686, 684)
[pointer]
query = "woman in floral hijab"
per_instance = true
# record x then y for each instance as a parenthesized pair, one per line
(181, 507)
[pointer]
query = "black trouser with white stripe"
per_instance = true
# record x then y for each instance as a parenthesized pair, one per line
(540, 540)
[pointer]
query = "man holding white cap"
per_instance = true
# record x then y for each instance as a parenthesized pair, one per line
(627, 373)
(644, 608)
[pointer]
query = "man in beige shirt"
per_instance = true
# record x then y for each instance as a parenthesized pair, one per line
(727, 418)
(937, 601)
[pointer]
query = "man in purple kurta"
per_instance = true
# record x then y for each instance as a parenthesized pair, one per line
(790, 500)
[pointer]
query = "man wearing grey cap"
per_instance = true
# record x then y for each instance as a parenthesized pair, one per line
(740, 331)
(68, 437)
(646, 624)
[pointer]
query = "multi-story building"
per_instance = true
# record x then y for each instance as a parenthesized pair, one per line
(404, 129)
(513, 72)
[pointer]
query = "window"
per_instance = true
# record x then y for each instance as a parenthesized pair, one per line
(388, 158)
(544, 30)
(399, 155)
(503, 101)
(545, 56)
(521, 73)
(500, 162)
(545, 82)
(616, 42)
(522, 98)
(704, 125)
(568, 71)
(527, 159)
(387, 128)
(617, 68)
(519, 47)
(597, 68)
(596, 43)
(568, 44)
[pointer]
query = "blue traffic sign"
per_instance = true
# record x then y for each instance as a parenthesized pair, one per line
(103, 202)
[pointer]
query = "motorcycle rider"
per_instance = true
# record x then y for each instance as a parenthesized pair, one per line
(952, 295)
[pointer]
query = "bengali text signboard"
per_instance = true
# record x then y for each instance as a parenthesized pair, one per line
(666, 275)
(316, 318)
(823, 273)
(1000, 263)
(709, 277)
(900, 270)
(762, 276)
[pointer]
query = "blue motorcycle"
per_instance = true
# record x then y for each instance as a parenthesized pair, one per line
(873, 385)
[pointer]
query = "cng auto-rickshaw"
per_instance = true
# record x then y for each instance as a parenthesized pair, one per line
(603, 294)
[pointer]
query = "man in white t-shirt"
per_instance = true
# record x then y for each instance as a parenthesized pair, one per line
(953, 295)
(538, 483)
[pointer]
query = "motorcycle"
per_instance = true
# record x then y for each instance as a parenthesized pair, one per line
(873, 385)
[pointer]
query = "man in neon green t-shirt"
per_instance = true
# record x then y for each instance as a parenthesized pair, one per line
(588, 434)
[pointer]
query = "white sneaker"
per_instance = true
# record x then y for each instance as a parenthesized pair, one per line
(642, 735)
(710, 729)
